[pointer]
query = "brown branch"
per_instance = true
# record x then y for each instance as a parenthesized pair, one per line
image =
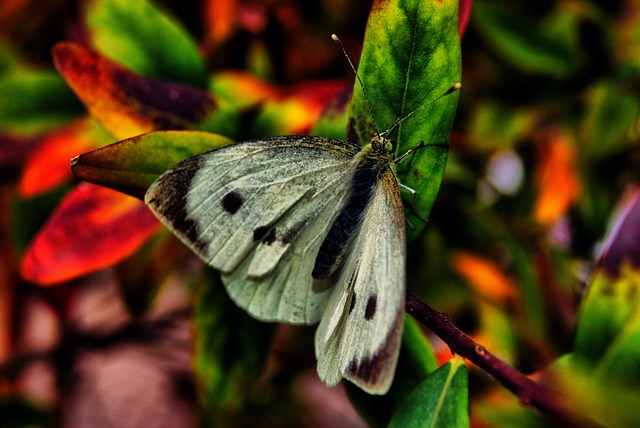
(530, 393)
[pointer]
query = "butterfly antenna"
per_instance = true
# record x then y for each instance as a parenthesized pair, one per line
(451, 90)
(366, 98)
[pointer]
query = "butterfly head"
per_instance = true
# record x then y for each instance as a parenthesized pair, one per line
(383, 146)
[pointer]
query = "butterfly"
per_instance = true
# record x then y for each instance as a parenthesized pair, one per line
(302, 229)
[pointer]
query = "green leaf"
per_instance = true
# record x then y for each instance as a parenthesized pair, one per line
(600, 378)
(609, 309)
(131, 165)
(605, 400)
(231, 349)
(548, 47)
(419, 359)
(139, 36)
(333, 120)
(35, 101)
(416, 361)
(611, 118)
(622, 360)
(411, 55)
(493, 126)
(609, 316)
(441, 400)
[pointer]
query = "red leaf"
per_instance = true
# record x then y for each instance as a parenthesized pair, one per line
(93, 228)
(463, 15)
(126, 103)
(48, 165)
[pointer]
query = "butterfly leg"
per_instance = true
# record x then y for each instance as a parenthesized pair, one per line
(406, 189)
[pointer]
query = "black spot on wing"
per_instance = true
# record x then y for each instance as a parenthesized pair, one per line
(270, 238)
(265, 234)
(370, 311)
(232, 201)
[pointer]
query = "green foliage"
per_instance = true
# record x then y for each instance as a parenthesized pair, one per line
(411, 55)
(605, 357)
(231, 350)
(439, 401)
(35, 101)
(139, 36)
(551, 87)
(610, 110)
(549, 47)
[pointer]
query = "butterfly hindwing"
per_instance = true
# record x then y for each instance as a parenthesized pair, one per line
(256, 206)
(291, 293)
(360, 332)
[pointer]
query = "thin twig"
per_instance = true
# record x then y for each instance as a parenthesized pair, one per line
(530, 393)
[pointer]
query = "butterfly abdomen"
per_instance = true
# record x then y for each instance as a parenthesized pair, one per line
(370, 167)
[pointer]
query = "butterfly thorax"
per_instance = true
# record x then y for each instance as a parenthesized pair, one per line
(370, 164)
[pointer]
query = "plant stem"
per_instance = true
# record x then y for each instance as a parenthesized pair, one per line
(530, 393)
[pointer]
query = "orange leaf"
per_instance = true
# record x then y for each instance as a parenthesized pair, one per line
(91, 229)
(295, 111)
(48, 165)
(221, 19)
(126, 103)
(484, 276)
(311, 98)
(556, 177)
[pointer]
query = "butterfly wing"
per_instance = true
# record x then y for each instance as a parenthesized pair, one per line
(254, 206)
(360, 332)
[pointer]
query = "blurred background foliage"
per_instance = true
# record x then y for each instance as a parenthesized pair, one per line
(544, 156)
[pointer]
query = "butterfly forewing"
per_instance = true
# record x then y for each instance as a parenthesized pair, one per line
(360, 332)
(255, 206)
(289, 292)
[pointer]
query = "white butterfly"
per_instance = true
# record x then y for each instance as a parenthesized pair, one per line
(303, 229)
(278, 217)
